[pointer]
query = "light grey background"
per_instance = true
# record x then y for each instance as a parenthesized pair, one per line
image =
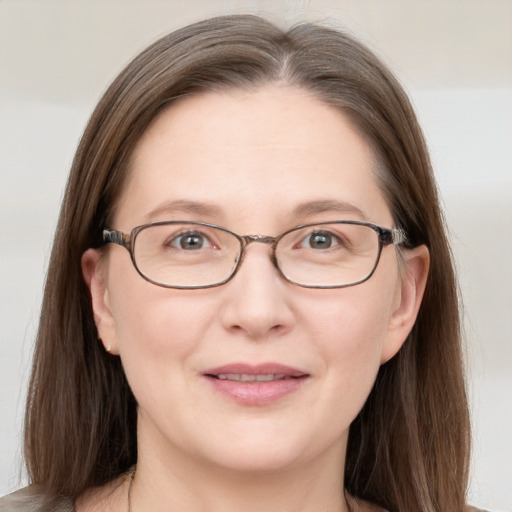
(455, 59)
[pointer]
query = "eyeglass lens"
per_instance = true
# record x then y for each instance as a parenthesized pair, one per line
(194, 255)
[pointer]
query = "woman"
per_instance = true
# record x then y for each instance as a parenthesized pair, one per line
(250, 301)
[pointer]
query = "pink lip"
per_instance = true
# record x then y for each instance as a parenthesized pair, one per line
(256, 392)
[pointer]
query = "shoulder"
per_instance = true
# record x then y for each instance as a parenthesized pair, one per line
(359, 505)
(31, 499)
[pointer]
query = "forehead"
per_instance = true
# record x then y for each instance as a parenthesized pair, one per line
(250, 154)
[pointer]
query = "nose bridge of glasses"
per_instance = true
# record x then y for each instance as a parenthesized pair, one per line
(260, 239)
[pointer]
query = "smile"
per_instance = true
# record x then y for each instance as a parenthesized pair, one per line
(251, 385)
(244, 377)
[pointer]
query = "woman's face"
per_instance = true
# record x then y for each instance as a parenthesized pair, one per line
(257, 163)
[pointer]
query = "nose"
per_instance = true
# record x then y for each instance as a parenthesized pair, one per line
(257, 298)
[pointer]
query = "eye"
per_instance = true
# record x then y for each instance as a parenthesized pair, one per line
(320, 240)
(190, 241)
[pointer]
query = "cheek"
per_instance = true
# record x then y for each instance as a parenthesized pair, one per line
(350, 326)
(156, 329)
(158, 333)
(351, 320)
(154, 323)
(352, 346)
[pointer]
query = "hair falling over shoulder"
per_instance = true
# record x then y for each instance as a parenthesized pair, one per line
(409, 446)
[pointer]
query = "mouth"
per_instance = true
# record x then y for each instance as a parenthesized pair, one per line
(256, 385)
(244, 377)
(265, 372)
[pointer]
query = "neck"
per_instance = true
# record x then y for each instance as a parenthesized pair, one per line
(182, 483)
(228, 493)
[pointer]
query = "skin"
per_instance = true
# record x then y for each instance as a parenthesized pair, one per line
(255, 156)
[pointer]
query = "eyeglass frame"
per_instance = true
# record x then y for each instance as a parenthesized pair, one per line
(392, 236)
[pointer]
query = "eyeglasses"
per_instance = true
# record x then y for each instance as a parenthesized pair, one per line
(189, 255)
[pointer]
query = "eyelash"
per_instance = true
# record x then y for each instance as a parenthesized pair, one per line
(175, 238)
(335, 240)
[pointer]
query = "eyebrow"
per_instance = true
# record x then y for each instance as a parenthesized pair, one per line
(328, 206)
(304, 209)
(185, 206)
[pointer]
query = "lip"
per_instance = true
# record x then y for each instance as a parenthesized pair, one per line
(238, 382)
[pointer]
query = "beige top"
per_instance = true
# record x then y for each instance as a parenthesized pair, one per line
(29, 499)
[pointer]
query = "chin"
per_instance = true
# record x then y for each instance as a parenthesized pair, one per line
(271, 452)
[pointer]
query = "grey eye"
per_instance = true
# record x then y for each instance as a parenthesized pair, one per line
(320, 240)
(190, 241)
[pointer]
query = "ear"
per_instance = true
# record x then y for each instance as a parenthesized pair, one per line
(408, 298)
(93, 270)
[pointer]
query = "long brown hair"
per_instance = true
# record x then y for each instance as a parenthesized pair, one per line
(409, 446)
